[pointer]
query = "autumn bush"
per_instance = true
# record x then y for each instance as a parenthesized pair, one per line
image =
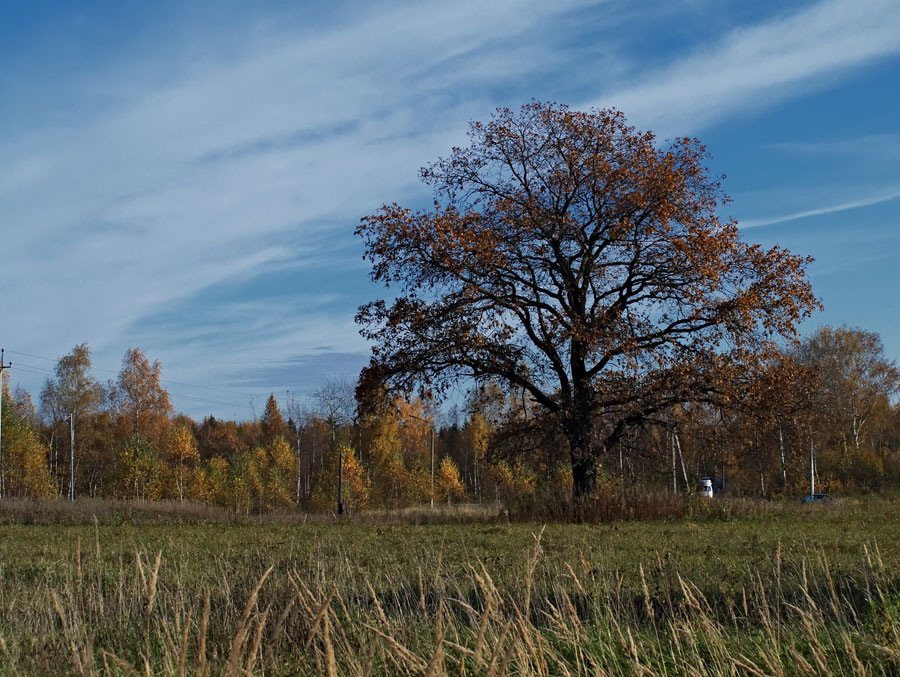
(140, 471)
(448, 486)
(25, 470)
(356, 486)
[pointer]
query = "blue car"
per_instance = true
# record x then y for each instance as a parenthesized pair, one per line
(817, 498)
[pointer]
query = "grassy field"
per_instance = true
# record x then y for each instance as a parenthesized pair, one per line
(744, 588)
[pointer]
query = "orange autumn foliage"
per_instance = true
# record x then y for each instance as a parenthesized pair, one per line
(582, 263)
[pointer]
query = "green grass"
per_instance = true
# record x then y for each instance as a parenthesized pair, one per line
(777, 588)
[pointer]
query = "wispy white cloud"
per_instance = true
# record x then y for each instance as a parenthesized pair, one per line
(233, 166)
(220, 169)
(267, 346)
(867, 146)
(753, 67)
(818, 211)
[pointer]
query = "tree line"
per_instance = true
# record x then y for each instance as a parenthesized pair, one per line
(612, 327)
(831, 393)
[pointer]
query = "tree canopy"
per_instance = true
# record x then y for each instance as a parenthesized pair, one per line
(73, 390)
(854, 375)
(575, 258)
(141, 397)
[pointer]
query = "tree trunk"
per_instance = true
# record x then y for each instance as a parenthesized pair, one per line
(857, 424)
(584, 455)
(687, 486)
(783, 465)
(621, 466)
(584, 477)
(674, 473)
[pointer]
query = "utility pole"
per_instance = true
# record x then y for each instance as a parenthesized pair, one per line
(71, 418)
(340, 466)
(340, 480)
(674, 475)
(2, 367)
(432, 466)
(812, 466)
(299, 460)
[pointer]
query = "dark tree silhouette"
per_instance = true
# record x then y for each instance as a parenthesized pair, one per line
(571, 256)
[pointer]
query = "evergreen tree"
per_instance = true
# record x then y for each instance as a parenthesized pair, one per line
(272, 421)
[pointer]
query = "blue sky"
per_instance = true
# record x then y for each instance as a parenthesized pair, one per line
(186, 177)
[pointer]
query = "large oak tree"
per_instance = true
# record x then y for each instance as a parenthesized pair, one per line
(576, 258)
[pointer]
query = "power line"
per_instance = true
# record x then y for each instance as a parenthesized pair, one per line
(3, 366)
(203, 399)
(33, 367)
(221, 390)
(20, 367)
(110, 371)
(32, 371)
(41, 371)
(39, 357)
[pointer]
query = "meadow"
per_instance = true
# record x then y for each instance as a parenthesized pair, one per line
(729, 587)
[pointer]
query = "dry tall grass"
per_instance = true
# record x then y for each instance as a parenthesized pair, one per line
(110, 511)
(145, 614)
